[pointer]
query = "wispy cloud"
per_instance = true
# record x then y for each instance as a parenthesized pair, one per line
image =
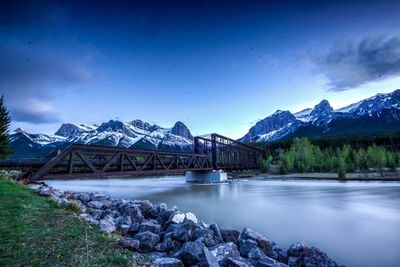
(350, 64)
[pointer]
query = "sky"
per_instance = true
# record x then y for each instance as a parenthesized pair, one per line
(216, 66)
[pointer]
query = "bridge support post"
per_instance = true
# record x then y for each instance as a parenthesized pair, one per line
(206, 176)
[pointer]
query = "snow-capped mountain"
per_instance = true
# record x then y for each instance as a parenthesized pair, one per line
(134, 134)
(381, 109)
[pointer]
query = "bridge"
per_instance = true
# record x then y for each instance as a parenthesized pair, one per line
(213, 152)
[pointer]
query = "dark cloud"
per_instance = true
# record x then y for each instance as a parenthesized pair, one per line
(350, 64)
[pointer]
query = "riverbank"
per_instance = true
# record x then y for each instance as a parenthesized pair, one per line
(354, 176)
(36, 232)
(173, 238)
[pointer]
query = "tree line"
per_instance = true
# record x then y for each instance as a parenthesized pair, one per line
(303, 156)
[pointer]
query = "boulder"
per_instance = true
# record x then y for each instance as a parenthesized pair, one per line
(134, 228)
(151, 226)
(225, 250)
(281, 253)
(206, 237)
(301, 254)
(167, 262)
(269, 262)
(209, 260)
(62, 202)
(237, 262)
(190, 253)
(98, 197)
(44, 191)
(186, 231)
(246, 245)
(214, 227)
(145, 206)
(168, 245)
(177, 217)
(107, 224)
(148, 241)
(191, 217)
(105, 204)
(84, 197)
(129, 243)
(230, 236)
(134, 213)
(255, 254)
(124, 229)
(262, 242)
(123, 220)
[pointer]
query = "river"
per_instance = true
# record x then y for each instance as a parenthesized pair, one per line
(355, 223)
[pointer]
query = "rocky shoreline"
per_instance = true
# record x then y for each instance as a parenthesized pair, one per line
(173, 238)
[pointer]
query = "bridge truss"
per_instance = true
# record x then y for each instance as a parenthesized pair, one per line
(87, 161)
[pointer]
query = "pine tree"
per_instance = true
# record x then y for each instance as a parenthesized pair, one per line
(5, 120)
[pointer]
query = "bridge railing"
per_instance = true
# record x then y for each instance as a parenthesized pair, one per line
(226, 153)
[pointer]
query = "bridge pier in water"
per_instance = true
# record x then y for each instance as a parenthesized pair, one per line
(206, 176)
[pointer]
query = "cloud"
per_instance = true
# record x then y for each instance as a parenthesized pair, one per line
(31, 77)
(34, 110)
(350, 64)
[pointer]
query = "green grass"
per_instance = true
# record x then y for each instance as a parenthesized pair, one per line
(35, 232)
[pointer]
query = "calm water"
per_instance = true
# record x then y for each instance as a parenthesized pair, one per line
(356, 223)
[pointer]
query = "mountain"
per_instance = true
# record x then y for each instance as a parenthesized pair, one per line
(375, 115)
(134, 134)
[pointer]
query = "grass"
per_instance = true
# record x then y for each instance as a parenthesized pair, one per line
(35, 232)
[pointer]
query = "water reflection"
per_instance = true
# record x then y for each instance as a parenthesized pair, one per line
(357, 223)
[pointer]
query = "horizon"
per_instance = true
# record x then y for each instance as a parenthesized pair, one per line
(170, 126)
(217, 67)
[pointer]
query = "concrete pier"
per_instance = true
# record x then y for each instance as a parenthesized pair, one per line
(206, 177)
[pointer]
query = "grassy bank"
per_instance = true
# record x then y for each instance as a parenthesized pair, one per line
(35, 232)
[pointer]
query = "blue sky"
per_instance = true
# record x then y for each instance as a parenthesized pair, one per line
(218, 67)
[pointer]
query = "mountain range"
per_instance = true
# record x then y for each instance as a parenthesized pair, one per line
(376, 115)
(372, 116)
(134, 134)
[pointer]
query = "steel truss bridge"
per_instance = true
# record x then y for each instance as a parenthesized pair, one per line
(214, 152)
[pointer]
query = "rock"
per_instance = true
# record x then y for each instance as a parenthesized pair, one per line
(262, 242)
(107, 224)
(225, 250)
(178, 217)
(106, 204)
(151, 226)
(206, 237)
(129, 243)
(209, 260)
(186, 231)
(87, 218)
(255, 254)
(62, 202)
(191, 217)
(301, 254)
(167, 262)
(148, 241)
(84, 197)
(98, 214)
(134, 228)
(134, 213)
(281, 253)
(269, 262)
(230, 236)
(214, 227)
(123, 220)
(98, 197)
(190, 253)
(246, 245)
(165, 215)
(44, 191)
(236, 262)
(124, 229)
(168, 245)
